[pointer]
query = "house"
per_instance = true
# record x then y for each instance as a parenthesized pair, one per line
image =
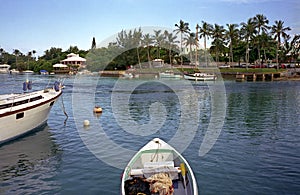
(74, 62)
(61, 69)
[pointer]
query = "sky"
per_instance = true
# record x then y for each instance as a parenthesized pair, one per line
(41, 24)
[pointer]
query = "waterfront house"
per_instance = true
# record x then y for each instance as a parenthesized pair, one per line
(74, 62)
(61, 69)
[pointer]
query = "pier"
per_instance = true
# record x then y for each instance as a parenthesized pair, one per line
(257, 76)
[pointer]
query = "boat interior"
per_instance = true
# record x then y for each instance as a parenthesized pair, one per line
(157, 170)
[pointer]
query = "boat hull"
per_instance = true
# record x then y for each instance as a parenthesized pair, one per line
(169, 76)
(17, 122)
(200, 77)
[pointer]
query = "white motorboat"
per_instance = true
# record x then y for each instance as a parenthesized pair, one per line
(27, 72)
(4, 68)
(170, 75)
(200, 77)
(21, 113)
(158, 168)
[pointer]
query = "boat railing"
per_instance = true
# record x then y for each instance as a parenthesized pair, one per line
(19, 96)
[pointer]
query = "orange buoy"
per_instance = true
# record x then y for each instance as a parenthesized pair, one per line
(97, 109)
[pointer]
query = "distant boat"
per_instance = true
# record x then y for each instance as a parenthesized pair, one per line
(44, 72)
(14, 71)
(169, 74)
(158, 168)
(27, 72)
(200, 77)
(4, 68)
(128, 75)
(21, 113)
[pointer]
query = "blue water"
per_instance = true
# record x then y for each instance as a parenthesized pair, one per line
(257, 151)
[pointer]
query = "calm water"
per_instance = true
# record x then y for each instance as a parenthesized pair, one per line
(257, 151)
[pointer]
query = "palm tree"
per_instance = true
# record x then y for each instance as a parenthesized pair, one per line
(231, 34)
(267, 44)
(261, 23)
(218, 42)
(205, 32)
(295, 46)
(158, 38)
(248, 31)
(29, 55)
(197, 44)
(182, 27)
(190, 41)
(170, 41)
(137, 35)
(278, 30)
(17, 53)
(147, 41)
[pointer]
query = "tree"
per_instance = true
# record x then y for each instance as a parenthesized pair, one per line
(218, 42)
(191, 41)
(147, 41)
(205, 32)
(278, 30)
(232, 35)
(261, 23)
(295, 47)
(158, 39)
(182, 28)
(248, 31)
(93, 43)
(170, 41)
(137, 35)
(29, 55)
(17, 53)
(33, 53)
(1, 54)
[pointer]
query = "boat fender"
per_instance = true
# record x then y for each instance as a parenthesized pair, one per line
(29, 85)
(56, 86)
(25, 86)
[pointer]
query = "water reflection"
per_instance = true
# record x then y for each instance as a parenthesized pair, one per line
(26, 155)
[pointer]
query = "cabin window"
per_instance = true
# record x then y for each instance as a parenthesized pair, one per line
(20, 115)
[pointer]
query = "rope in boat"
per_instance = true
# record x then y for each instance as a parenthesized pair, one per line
(156, 152)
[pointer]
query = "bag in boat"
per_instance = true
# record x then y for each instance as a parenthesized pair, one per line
(137, 185)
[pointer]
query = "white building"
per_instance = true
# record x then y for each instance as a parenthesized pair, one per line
(74, 61)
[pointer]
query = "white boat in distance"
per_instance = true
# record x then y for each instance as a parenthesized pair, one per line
(21, 113)
(4, 68)
(200, 77)
(157, 168)
(169, 74)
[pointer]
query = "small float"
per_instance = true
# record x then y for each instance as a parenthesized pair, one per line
(97, 109)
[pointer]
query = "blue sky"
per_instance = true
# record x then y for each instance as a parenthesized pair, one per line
(40, 24)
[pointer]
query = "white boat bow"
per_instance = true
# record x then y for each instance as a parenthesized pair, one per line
(158, 168)
(21, 113)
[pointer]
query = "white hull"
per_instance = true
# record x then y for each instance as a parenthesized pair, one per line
(169, 75)
(157, 157)
(4, 68)
(20, 119)
(200, 77)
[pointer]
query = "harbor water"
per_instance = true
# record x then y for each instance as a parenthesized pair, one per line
(255, 152)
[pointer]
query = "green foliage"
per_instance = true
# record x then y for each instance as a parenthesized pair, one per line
(251, 42)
